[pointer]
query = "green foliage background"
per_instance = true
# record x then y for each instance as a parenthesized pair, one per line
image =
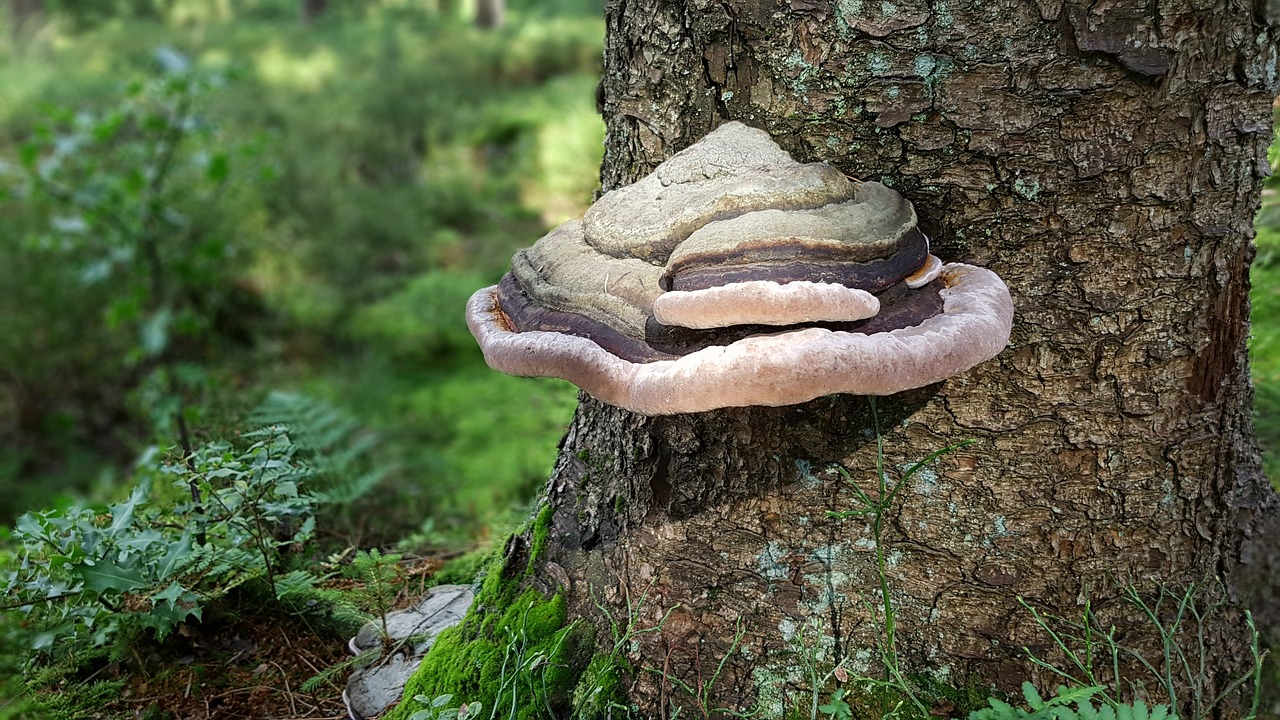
(364, 173)
(403, 156)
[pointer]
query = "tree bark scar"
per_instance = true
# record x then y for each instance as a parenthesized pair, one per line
(1228, 319)
(658, 483)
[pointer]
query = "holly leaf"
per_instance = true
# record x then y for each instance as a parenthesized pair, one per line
(106, 575)
(177, 552)
(170, 594)
(139, 542)
(122, 512)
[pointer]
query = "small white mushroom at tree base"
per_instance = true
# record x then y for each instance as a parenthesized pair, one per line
(735, 276)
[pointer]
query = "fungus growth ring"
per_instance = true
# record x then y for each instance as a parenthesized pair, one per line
(732, 276)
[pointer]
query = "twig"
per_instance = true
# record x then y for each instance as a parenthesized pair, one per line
(287, 690)
(309, 664)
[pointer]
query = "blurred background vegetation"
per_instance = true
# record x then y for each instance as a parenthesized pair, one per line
(224, 215)
(221, 214)
(375, 164)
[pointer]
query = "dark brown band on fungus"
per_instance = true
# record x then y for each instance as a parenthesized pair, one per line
(899, 308)
(873, 276)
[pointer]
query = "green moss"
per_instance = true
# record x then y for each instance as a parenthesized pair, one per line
(541, 531)
(600, 688)
(520, 654)
(941, 699)
(963, 699)
(777, 695)
(515, 650)
(80, 701)
(54, 692)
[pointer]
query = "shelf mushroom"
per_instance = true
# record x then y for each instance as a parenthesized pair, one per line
(732, 276)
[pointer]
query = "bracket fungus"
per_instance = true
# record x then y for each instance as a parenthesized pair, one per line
(734, 275)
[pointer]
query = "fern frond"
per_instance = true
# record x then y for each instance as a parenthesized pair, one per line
(1059, 707)
(335, 445)
(298, 582)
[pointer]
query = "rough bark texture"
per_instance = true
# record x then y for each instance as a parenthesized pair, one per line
(1105, 159)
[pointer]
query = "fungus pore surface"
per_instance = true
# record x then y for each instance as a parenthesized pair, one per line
(734, 275)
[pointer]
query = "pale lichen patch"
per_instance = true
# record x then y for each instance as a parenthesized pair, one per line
(768, 562)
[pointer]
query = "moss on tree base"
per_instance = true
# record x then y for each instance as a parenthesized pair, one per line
(515, 648)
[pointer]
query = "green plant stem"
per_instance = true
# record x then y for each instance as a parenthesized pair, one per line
(260, 537)
(877, 509)
(881, 507)
(812, 666)
(149, 244)
(189, 458)
(877, 530)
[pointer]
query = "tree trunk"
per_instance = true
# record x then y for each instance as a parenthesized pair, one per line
(490, 14)
(1106, 160)
(312, 9)
(23, 12)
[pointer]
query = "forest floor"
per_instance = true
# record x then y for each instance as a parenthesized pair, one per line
(256, 671)
(254, 663)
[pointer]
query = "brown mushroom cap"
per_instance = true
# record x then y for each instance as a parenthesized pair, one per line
(562, 272)
(733, 275)
(876, 227)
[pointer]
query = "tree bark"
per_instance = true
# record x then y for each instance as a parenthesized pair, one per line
(310, 10)
(490, 14)
(1106, 160)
